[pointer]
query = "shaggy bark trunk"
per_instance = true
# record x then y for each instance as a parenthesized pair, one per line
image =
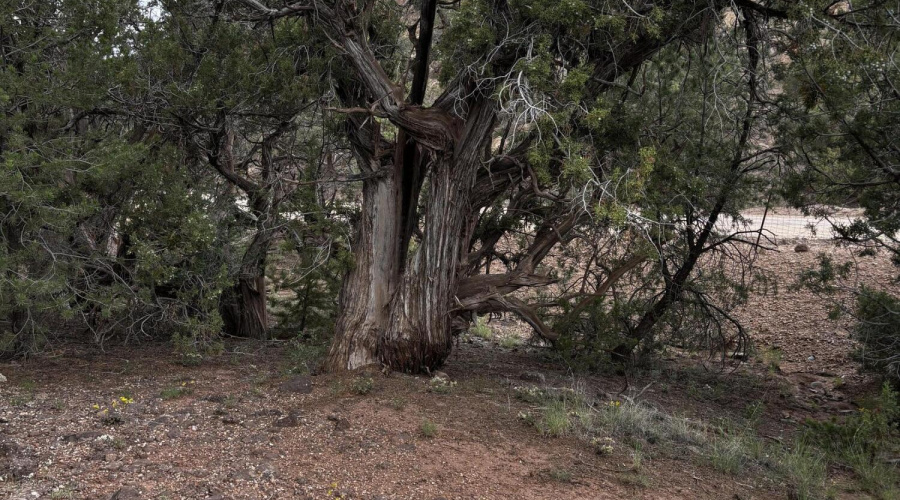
(398, 315)
(369, 287)
(243, 306)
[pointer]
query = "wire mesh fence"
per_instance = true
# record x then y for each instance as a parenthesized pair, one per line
(783, 224)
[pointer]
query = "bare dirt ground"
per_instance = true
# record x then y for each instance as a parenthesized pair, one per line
(243, 430)
(133, 423)
(795, 321)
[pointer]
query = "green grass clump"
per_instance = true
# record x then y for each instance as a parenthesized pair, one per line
(560, 474)
(863, 443)
(480, 329)
(362, 385)
(62, 493)
(772, 357)
(397, 403)
(174, 392)
(728, 454)
(555, 420)
(805, 472)
(440, 385)
(428, 428)
(510, 342)
(874, 476)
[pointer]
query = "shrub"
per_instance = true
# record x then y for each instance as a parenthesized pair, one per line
(587, 337)
(560, 474)
(362, 385)
(202, 342)
(429, 429)
(869, 431)
(305, 354)
(862, 442)
(878, 331)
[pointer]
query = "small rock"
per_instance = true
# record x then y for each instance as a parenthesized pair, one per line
(300, 384)
(115, 467)
(340, 423)
(214, 493)
(71, 438)
(440, 375)
(266, 413)
(161, 420)
(126, 493)
(269, 470)
(13, 460)
(801, 248)
(817, 385)
(2, 378)
(291, 420)
(241, 475)
(532, 376)
(811, 358)
(198, 473)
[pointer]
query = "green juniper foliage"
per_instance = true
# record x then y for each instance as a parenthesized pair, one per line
(192, 168)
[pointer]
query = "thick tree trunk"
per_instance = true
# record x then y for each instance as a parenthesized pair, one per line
(370, 286)
(395, 315)
(243, 306)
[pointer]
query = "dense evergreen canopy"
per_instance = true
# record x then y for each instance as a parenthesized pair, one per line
(392, 170)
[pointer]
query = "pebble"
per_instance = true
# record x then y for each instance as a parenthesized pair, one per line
(300, 384)
(533, 376)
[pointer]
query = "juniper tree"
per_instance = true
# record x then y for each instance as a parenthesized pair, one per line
(838, 121)
(561, 160)
(534, 119)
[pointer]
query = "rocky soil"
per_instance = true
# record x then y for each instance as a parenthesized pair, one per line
(133, 423)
